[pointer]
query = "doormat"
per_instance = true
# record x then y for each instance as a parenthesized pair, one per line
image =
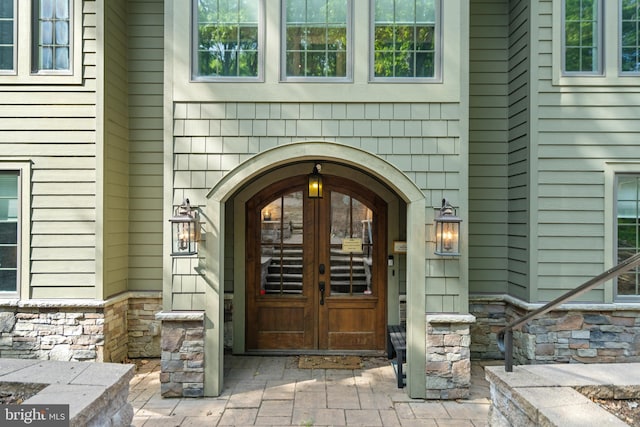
(330, 362)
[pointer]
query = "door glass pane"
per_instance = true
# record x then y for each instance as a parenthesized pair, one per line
(351, 246)
(281, 245)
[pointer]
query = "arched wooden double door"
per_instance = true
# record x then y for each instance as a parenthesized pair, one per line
(316, 268)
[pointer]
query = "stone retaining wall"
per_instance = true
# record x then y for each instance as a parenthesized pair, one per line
(81, 330)
(585, 333)
(448, 367)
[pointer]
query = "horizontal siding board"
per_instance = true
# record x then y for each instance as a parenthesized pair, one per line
(64, 201)
(58, 188)
(63, 280)
(63, 214)
(62, 227)
(68, 266)
(63, 241)
(64, 175)
(62, 254)
(60, 123)
(67, 150)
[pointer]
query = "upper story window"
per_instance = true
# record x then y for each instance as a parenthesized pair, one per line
(581, 38)
(628, 231)
(630, 36)
(51, 35)
(7, 35)
(9, 231)
(405, 39)
(227, 39)
(41, 41)
(316, 39)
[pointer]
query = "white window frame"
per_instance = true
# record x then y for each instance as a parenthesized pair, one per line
(23, 169)
(348, 78)
(194, 50)
(437, 76)
(25, 72)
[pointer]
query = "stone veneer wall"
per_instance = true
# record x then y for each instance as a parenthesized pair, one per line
(116, 337)
(182, 360)
(144, 329)
(584, 333)
(448, 366)
(52, 332)
(77, 330)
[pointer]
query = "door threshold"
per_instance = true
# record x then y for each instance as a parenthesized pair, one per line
(366, 353)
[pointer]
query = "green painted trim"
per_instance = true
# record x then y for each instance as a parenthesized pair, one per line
(534, 52)
(167, 205)
(100, 151)
(463, 183)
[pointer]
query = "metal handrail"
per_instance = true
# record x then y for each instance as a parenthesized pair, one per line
(505, 336)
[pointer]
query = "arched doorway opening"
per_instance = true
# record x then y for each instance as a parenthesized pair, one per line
(224, 248)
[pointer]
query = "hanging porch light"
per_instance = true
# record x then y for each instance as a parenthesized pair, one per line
(447, 226)
(185, 230)
(315, 183)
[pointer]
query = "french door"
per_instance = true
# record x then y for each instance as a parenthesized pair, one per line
(316, 268)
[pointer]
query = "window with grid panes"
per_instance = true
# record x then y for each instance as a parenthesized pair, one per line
(316, 39)
(7, 36)
(51, 35)
(629, 36)
(405, 39)
(581, 37)
(227, 39)
(9, 219)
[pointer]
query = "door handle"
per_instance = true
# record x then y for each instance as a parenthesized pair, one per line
(321, 286)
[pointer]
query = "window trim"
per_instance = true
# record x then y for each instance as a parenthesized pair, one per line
(348, 78)
(236, 79)
(437, 76)
(24, 67)
(23, 168)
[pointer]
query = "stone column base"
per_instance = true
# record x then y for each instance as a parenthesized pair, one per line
(448, 356)
(182, 359)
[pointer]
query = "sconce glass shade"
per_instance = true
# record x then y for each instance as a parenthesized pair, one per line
(315, 184)
(185, 231)
(447, 226)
